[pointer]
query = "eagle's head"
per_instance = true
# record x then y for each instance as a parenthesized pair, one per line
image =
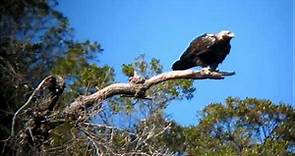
(225, 35)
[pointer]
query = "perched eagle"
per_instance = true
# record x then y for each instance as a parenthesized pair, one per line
(207, 50)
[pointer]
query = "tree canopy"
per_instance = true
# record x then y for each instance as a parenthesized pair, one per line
(243, 127)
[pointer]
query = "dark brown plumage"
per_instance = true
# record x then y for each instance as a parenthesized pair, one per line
(207, 50)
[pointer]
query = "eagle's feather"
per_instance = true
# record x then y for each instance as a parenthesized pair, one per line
(205, 50)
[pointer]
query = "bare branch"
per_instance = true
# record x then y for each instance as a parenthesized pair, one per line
(138, 88)
(28, 101)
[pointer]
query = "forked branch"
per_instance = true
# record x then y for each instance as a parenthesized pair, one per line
(138, 86)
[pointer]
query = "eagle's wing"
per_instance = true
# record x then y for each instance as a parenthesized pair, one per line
(199, 46)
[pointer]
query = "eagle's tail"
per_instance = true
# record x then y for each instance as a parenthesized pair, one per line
(181, 65)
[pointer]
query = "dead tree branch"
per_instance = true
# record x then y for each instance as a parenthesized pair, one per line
(137, 87)
(40, 124)
(41, 84)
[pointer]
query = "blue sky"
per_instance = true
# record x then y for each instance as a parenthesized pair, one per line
(261, 55)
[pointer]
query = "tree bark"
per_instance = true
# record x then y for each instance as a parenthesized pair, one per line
(137, 87)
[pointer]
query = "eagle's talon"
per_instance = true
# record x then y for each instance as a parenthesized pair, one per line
(206, 70)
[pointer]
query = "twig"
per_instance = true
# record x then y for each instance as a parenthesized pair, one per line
(136, 153)
(108, 127)
(32, 136)
(91, 139)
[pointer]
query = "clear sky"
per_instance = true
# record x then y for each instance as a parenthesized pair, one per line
(261, 55)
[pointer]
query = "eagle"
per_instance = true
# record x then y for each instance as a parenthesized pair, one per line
(207, 50)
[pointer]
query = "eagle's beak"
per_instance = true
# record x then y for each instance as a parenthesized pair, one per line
(232, 35)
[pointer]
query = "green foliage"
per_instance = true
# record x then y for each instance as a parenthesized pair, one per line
(248, 127)
(82, 76)
(174, 138)
(128, 69)
(35, 41)
(32, 35)
(67, 140)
